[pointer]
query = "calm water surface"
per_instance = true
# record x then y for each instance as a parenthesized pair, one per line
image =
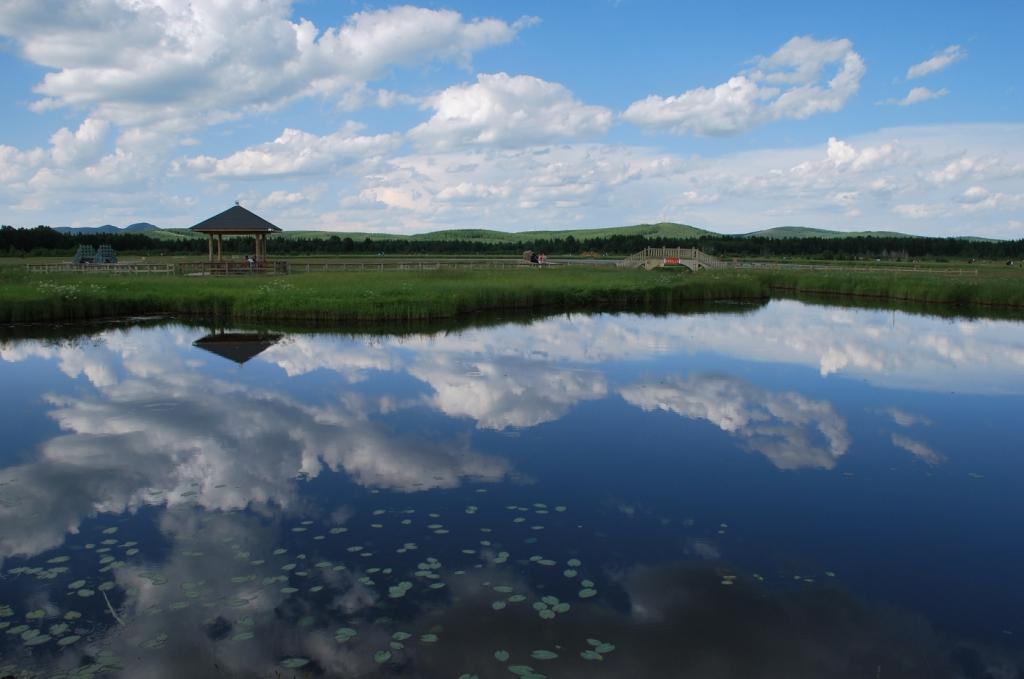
(791, 491)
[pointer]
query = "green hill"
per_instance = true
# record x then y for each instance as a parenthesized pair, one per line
(490, 236)
(808, 232)
(662, 230)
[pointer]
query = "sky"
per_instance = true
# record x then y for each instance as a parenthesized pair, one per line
(346, 116)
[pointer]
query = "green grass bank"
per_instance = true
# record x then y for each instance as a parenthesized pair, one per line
(427, 295)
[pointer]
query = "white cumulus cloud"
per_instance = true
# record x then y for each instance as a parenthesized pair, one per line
(185, 63)
(788, 84)
(294, 152)
(504, 110)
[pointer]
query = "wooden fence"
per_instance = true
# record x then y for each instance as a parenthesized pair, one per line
(102, 268)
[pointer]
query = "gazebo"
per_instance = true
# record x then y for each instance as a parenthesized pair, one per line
(236, 221)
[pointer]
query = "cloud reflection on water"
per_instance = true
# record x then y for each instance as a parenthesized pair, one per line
(782, 426)
(174, 433)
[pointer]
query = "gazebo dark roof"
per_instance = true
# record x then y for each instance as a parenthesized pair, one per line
(236, 346)
(235, 219)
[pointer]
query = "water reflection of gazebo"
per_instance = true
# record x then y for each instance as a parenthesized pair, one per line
(237, 346)
(236, 221)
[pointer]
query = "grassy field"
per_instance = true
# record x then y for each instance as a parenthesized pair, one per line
(426, 295)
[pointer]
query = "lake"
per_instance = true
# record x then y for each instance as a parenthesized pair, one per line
(790, 490)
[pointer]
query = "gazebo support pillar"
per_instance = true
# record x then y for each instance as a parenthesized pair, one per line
(209, 237)
(220, 248)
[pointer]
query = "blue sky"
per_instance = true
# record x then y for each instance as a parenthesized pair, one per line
(408, 118)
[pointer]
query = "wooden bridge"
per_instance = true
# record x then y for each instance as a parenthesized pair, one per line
(691, 258)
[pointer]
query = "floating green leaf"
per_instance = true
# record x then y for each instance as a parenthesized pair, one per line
(587, 593)
(501, 656)
(382, 656)
(543, 655)
(40, 639)
(294, 663)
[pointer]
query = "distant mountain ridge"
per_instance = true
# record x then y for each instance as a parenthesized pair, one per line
(138, 227)
(809, 232)
(658, 230)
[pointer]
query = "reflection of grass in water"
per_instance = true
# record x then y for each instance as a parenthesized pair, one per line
(415, 295)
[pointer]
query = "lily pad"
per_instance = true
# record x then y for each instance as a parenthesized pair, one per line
(382, 656)
(543, 655)
(294, 663)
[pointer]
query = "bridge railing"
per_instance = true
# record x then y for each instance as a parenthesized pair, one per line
(695, 255)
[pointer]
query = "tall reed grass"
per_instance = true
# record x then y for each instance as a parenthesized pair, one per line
(427, 295)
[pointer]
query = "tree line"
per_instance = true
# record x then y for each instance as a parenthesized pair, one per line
(43, 240)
